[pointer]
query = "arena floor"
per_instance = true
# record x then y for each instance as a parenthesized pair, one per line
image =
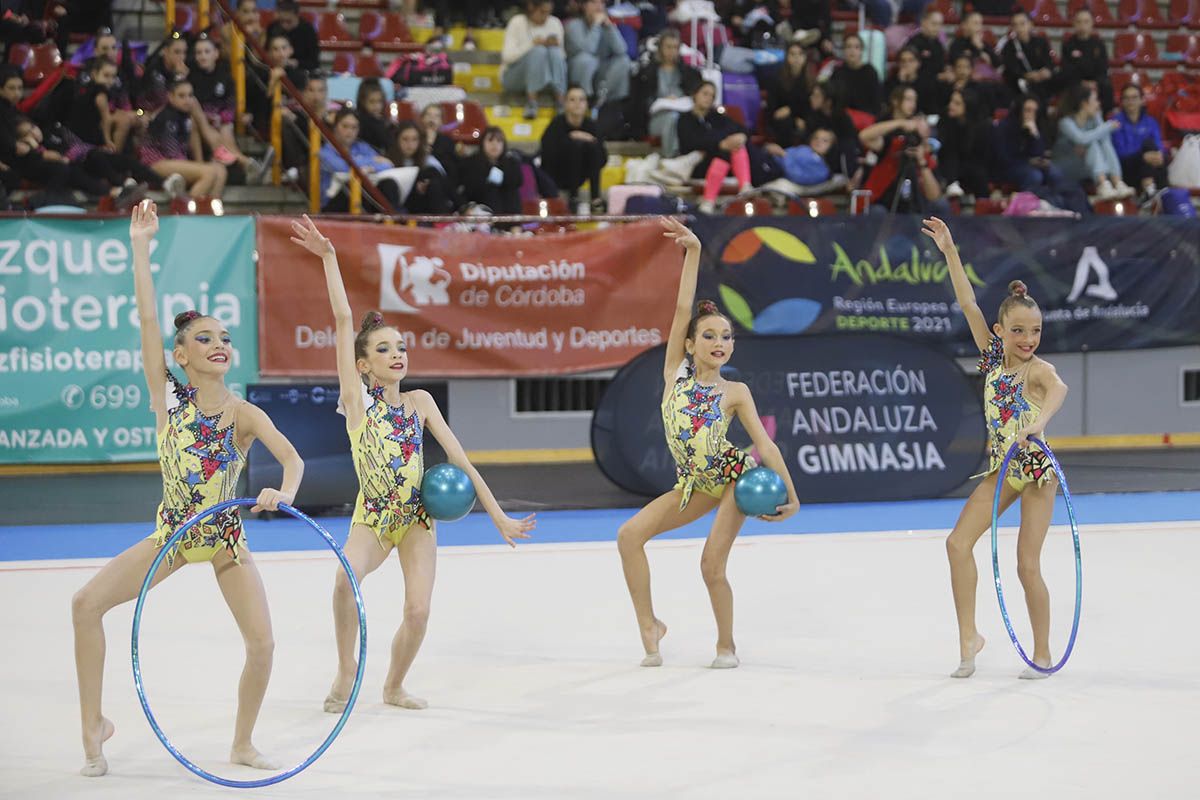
(845, 629)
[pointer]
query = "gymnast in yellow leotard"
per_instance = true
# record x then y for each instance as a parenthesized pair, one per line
(697, 407)
(386, 427)
(203, 435)
(1021, 394)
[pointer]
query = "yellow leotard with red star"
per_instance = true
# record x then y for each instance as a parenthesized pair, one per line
(386, 447)
(1007, 410)
(696, 426)
(201, 464)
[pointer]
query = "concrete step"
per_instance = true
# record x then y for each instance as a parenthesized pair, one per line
(264, 198)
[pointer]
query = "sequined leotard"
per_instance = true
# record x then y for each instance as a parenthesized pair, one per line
(386, 447)
(696, 426)
(200, 464)
(1007, 410)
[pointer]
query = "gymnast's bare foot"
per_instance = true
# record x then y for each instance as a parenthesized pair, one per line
(967, 651)
(248, 755)
(401, 698)
(339, 693)
(95, 764)
(651, 636)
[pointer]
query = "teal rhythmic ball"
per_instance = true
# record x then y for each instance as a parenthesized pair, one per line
(447, 493)
(759, 491)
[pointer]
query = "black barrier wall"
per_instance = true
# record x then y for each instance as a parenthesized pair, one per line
(1103, 283)
(858, 417)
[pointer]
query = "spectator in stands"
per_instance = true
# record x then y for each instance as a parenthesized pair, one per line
(596, 55)
(962, 80)
(858, 80)
(431, 193)
(788, 98)
(335, 172)
(1084, 149)
(908, 67)
(122, 119)
(1028, 65)
(881, 11)
(572, 151)
(306, 51)
(88, 133)
(163, 69)
(725, 146)
(81, 16)
(811, 22)
(533, 58)
(903, 180)
(438, 143)
(216, 100)
(829, 112)
(660, 90)
(172, 147)
(261, 80)
(492, 177)
(1085, 59)
(970, 41)
(1022, 152)
(370, 105)
(314, 94)
(1139, 145)
(933, 72)
(962, 159)
(247, 15)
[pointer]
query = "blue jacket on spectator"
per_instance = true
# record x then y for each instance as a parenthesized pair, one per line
(364, 156)
(1130, 138)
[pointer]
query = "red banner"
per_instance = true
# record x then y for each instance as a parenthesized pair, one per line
(471, 304)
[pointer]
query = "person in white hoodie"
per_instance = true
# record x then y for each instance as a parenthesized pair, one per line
(533, 57)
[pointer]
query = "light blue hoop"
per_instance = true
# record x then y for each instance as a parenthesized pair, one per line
(137, 667)
(1062, 479)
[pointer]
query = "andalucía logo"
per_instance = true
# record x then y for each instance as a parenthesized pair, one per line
(790, 315)
(407, 280)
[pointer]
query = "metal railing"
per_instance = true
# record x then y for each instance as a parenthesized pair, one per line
(318, 130)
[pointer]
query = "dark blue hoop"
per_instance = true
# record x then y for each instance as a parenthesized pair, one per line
(362, 647)
(1062, 479)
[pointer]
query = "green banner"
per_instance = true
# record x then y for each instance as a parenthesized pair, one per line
(72, 388)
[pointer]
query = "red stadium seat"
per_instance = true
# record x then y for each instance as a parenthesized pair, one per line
(1186, 13)
(1045, 13)
(1186, 45)
(187, 18)
(331, 30)
(36, 62)
(344, 63)
(464, 122)
(750, 207)
(1116, 208)
(985, 206)
(949, 12)
(1138, 49)
(404, 111)
(1100, 12)
(812, 207)
(385, 31)
(1143, 14)
(368, 65)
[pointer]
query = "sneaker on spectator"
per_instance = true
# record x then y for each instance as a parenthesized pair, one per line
(291, 175)
(260, 167)
(469, 42)
(954, 190)
(175, 185)
(1123, 189)
(598, 205)
(807, 38)
(531, 109)
(707, 207)
(130, 195)
(1105, 190)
